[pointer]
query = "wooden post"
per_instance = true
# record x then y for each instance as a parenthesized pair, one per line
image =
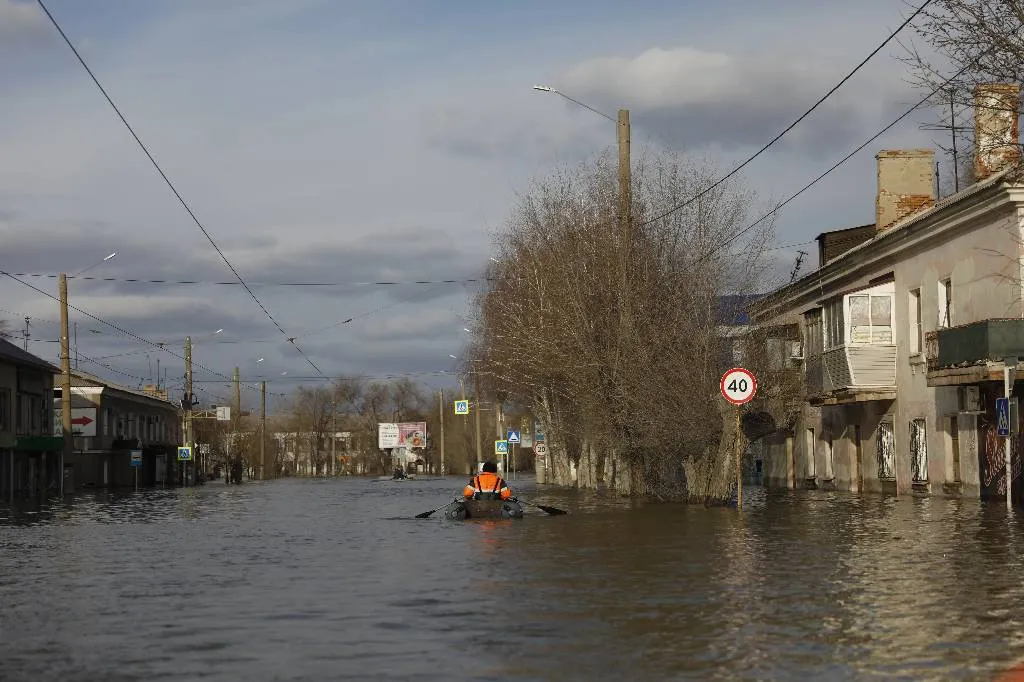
(263, 430)
(188, 406)
(476, 408)
(440, 396)
(65, 379)
(625, 181)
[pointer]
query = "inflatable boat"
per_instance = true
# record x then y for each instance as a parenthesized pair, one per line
(460, 510)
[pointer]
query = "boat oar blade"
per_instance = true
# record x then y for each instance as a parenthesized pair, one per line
(554, 511)
(427, 514)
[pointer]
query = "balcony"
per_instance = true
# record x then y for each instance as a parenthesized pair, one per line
(852, 374)
(973, 352)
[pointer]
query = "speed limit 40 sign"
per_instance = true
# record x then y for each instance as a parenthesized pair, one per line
(739, 385)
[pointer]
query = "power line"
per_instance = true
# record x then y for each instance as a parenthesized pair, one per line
(788, 128)
(133, 280)
(117, 328)
(839, 163)
(173, 189)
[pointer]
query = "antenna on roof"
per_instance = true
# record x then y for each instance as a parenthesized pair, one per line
(796, 267)
(954, 130)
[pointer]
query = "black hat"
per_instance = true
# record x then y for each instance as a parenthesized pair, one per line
(491, 467)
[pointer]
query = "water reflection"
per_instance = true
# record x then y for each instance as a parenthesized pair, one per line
(336, 580)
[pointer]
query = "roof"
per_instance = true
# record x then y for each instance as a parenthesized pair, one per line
(80, 379)
(732, 309)
(22, 358)
(1007, 175)
(845, 229)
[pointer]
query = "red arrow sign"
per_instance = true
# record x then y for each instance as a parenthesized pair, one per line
(82, 421)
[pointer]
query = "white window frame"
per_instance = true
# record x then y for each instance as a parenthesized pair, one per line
(944, 303)
(881, 291)
(915, 334)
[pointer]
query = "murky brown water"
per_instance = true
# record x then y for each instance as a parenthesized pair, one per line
(318, 580)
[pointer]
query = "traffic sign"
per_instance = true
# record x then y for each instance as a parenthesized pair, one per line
(738, 385)
(184, 453)
(461, 407)
(501, 447)
(1003, 417)
(538, 433)
(136, 458)
(540, 449)
(513, 437)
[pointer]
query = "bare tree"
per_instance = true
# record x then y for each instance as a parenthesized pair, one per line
(619, 359)
(963, 44)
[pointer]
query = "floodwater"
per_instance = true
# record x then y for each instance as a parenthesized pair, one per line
(333, 580)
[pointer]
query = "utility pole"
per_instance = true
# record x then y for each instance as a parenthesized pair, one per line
(263, 430)
(236, 414)
(75, 327)
(440, 402)
(188, 406)
(476, 409)
(26, 331)
(625, 181)
(65, 380)
(334, 436)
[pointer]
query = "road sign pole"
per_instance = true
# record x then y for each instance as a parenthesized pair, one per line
(1007, 390)
(738, 387)
(739, 460)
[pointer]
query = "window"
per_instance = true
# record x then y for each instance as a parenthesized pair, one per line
(5, 410)
(834, 329)
(810, 454)
(885, 451)
(813, 339)
(914, 330)
(945, 303)
(870, 319)
(918, 451)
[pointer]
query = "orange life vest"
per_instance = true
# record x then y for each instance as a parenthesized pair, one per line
(487, 486)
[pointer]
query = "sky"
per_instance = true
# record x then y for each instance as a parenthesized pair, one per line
(350, 143)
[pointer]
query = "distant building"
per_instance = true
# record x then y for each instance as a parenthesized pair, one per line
(109, 422)
(29, 452)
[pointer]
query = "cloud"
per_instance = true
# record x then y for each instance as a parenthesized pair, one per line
(20, 19)
(696, 98)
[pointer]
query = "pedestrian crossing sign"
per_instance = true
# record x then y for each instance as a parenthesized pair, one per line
(1003, 417)
(501, 447)
(184, 453)
(461, 407)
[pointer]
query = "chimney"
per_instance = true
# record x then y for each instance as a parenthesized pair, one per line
(906, 185)
(996, 132)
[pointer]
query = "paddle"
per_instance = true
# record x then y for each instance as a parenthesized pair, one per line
(554, 511)
(428, 513)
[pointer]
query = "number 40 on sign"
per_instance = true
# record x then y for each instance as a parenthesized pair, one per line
(739, 385)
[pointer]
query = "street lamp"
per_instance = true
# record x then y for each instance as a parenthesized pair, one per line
(105, 259)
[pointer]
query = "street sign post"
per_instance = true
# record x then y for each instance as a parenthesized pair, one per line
(513, 436)
(136, 463)
(1002, 417)
(501, 447)
(461, 407)
(184, 453)
(739, 386)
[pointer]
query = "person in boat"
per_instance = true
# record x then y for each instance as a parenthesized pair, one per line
(399, 474)
(487, 485)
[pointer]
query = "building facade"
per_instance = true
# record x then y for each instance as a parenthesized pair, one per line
(904, 328)
(30, 455)
(109, 422)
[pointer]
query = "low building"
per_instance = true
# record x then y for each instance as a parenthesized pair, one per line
(905, 326)
(109, 422)
(30, 455)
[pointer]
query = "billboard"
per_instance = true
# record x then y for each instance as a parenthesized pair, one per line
(83, 422)
(406, 434)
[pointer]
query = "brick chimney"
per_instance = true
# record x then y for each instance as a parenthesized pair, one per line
(996, 131)
(906, 185)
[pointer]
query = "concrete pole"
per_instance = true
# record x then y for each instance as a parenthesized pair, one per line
(65, 379)
(263, 430)
(625, 180)
(1007, 392)
(188, 405)
(476, 409)
(440, 403)
(334, 437)
(236, 415)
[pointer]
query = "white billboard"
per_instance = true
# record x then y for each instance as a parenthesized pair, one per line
(388, 436)
(83, 422)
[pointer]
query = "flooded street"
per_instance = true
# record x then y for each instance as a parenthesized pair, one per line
(316, 580)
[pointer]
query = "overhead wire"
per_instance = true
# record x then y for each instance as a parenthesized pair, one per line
(770, 143)
(134, 280)
(173, 189)
(725, 242)
(116, 327)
